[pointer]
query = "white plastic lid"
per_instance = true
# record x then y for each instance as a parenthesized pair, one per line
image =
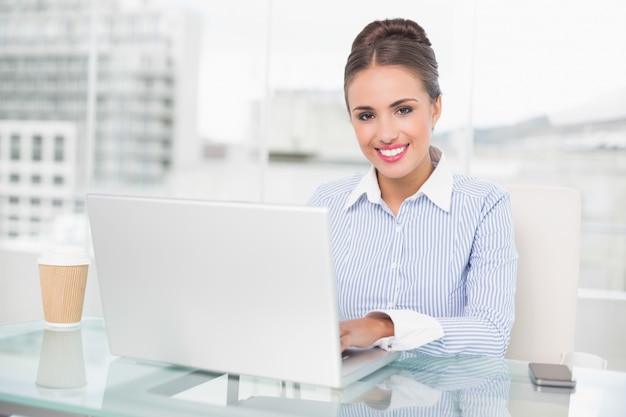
(64, 257)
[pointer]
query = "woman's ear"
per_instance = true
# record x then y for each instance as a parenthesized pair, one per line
(436, 111)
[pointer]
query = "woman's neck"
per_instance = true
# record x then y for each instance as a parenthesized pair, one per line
(395, 190)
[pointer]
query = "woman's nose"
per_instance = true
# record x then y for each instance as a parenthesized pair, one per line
(387, 131)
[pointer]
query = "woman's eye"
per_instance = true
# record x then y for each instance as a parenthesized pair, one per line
(366, 116)
(405, 110)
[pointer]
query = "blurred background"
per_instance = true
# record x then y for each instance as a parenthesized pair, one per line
(243, 101)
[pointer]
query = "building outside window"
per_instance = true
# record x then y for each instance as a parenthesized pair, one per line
(33, 173)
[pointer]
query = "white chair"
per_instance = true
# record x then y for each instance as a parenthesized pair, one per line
(583, 360)
(547, 234)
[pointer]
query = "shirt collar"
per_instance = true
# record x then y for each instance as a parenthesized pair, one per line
(438, 187)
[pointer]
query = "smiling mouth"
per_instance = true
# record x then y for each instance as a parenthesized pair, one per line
(392, 154)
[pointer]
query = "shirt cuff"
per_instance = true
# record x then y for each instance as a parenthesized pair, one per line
(411, 330)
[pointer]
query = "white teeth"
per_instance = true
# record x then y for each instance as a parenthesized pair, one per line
(392, 152)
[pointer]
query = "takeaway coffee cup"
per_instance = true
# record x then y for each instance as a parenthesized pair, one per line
(63, 277)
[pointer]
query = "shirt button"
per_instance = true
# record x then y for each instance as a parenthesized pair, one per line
(390, 304)
(398, 228)
(394, 265)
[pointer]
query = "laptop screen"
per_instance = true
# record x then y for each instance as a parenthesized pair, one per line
(233, 287)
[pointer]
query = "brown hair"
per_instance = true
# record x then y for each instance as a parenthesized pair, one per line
(394, 42)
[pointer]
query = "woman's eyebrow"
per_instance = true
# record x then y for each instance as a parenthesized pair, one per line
(359, 108)
(402, 101)
(394, 104)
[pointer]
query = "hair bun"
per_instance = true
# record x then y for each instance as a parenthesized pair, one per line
(381, 30)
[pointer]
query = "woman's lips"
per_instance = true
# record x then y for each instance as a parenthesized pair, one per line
(392, 153)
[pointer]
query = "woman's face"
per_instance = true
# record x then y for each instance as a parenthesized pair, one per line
(393, 117)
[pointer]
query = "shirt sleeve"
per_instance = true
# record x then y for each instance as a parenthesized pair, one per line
(484, 327)
(412, 330)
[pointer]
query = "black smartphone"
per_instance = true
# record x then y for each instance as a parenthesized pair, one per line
(551, 375)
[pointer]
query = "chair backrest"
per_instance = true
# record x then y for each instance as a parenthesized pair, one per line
(583, 360)
(547, 234)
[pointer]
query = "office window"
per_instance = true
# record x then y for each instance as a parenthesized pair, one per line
(14, 200)
(37, 148)
(14, 178)
(59, 148)
(70, 27)
(58, 180)
(15, 147)
(57, 202)
(252, 108)
(35, 201)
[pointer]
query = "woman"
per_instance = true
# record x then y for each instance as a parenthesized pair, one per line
(425, 259)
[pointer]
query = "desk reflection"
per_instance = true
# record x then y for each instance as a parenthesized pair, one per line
(415, 385)
(61, 370)
(425, 386)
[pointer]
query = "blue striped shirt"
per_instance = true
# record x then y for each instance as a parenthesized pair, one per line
(449, 254)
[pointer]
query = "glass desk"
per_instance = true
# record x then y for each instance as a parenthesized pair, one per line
(62, 373)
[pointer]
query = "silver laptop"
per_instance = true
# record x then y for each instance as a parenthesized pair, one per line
(239, 288)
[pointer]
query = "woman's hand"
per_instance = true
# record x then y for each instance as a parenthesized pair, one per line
(365, 331)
